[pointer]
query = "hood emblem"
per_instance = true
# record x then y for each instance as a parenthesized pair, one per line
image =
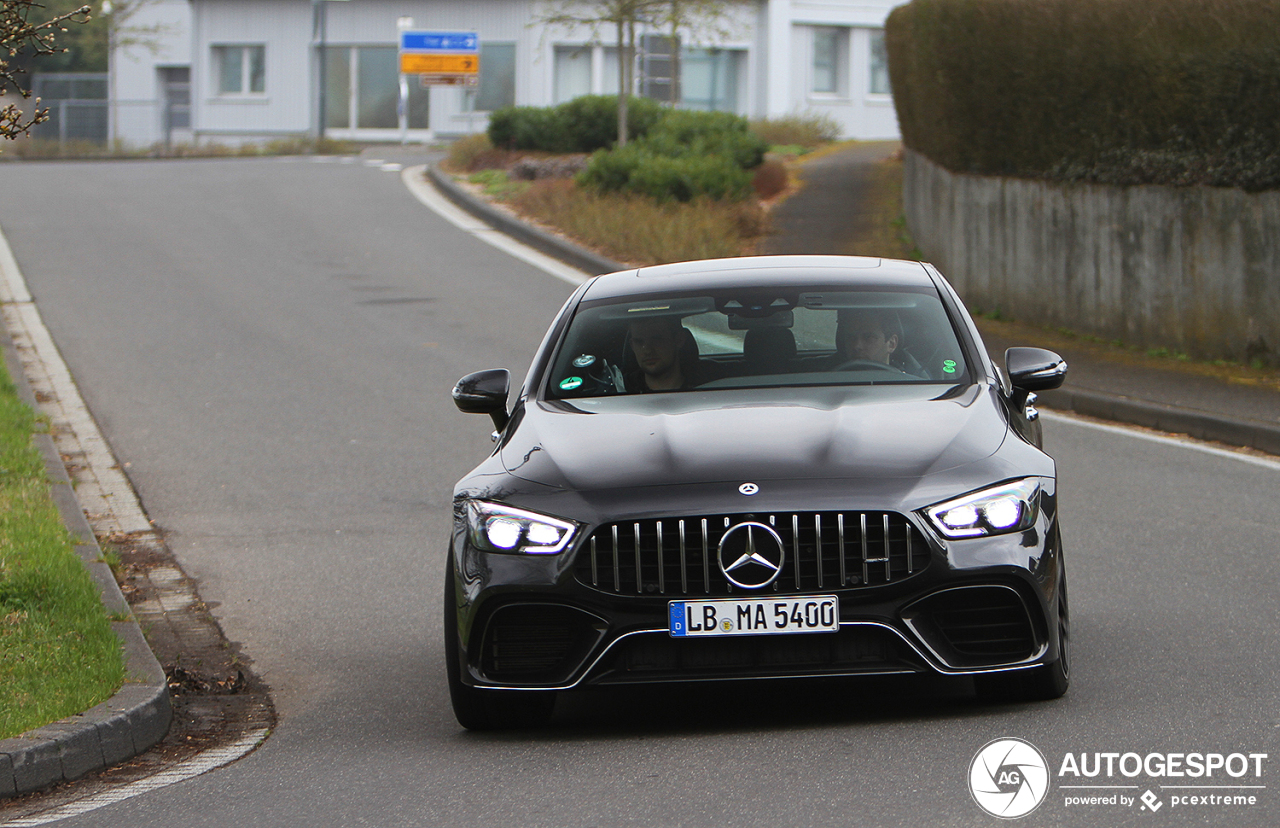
(748, 489)
(750, 555)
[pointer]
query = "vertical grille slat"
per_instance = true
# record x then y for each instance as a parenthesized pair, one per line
(823, 551)
(844, 578)
(684, 566)
(795, 548)
(639, 570)
(817, 530)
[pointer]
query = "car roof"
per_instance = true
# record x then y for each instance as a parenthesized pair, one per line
(761, 271)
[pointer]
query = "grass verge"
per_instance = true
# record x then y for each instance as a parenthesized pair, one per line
(35, 149)
(635, 229)
(58, 654)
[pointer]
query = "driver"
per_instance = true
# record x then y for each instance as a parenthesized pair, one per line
(657, 343)
(866, 334)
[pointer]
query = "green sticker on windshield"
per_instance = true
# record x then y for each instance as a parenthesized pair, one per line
(570, 383)
(949, 366)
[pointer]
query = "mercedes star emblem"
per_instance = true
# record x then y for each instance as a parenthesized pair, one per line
(750, 555)
(748, 489)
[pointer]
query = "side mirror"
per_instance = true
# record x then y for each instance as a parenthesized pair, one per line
(1034, 369)
(485, 392)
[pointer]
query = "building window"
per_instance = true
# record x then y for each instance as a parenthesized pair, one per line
(242, 70)
(362, 89)
(377, 87)
(497, 77)
(829, 48)
(879, 80)
(709, 79)
(572, 72)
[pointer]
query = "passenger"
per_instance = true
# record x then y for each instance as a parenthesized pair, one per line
(658, 344)
(867, 335)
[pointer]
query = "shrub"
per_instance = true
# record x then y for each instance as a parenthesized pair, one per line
(1112, 91)
(584, 124)
(770, 178)
(636, 168)
(591, 121)
(527, 128)
(464, 152)
(685, 155)
(810, 130)
(686, 177)
(685, 132)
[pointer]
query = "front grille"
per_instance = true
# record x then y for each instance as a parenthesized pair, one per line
(823, 550)
(850, 651)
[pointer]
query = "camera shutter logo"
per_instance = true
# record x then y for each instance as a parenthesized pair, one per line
(1009, 778)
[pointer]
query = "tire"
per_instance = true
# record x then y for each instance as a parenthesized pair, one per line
(1044, 683)
(478, 709)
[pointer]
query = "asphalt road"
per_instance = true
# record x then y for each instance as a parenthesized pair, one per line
(269, 345)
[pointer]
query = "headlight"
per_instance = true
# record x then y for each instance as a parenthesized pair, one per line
(1009, 507)
(498, 528)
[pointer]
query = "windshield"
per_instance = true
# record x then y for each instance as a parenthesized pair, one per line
(780, 338)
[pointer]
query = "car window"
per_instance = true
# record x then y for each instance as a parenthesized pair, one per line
(782, 338)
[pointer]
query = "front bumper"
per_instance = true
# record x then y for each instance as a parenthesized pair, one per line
(978, 606)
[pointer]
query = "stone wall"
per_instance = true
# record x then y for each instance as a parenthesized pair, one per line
(1194, 269)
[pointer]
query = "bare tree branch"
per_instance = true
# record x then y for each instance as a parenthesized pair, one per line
(19, 35)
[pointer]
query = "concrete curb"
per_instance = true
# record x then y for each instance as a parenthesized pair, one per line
(1202, 425)
(138, 715)
(557, 248)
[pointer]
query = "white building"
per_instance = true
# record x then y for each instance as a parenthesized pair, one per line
(256, 71)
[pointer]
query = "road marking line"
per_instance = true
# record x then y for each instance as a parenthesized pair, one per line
(414, 179)
(1182, 442)
(104, 492)
(203, 762)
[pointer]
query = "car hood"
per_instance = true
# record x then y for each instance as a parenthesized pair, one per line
(868, 432)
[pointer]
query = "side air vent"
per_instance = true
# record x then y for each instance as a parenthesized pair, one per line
(537, 643)
(975, 626)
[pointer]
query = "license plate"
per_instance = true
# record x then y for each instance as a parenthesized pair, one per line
(810, 614)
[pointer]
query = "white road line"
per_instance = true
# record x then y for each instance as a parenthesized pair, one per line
(102, 488)
(415, 180)
(200, 763)
(1180, 442)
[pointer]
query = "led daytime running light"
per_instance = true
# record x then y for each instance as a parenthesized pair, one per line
(495, 527)
(1009, 507)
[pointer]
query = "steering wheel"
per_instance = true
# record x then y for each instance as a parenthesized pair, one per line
(862, 364)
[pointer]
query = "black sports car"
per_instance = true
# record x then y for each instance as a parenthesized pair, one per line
(757, 468)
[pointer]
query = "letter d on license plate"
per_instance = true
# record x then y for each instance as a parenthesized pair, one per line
(812, 613)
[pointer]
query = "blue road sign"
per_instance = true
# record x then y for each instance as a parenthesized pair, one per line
(447, 42)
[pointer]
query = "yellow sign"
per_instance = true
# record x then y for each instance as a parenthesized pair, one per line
(418, 64)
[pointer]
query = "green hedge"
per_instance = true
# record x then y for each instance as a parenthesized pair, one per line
(584, 124)
(1181, 92)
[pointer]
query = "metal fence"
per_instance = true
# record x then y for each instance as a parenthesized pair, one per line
(80, 111)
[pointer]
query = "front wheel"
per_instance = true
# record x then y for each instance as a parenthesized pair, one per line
(479, 709)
